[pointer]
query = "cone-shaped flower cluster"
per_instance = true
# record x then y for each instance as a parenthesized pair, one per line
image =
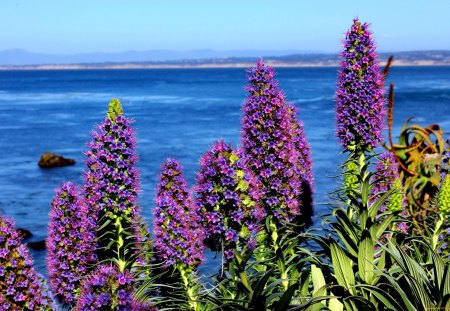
(20, 286)
(386, 177)
(351, 176)
(111, 181)
(227, 193)
(69, 246)
(178, 235)
(108, 289)
(360, 105)
(443, 200)
(269, 144)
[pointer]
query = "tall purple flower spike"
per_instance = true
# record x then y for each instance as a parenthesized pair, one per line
(228, 195)
(70, 247)
(178, 234)
(111, 183)
(360, 103)
(20, 287)
(108, 289)
(270, 142)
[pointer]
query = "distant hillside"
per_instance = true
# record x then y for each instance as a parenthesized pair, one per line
(19, 57)
(15, 59)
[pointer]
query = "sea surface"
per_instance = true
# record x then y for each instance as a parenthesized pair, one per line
(178, 113)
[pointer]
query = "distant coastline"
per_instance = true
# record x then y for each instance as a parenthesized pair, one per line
(410, 58)
(122, 66)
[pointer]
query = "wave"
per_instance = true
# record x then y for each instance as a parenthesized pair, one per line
(86, 97)
(312, 100)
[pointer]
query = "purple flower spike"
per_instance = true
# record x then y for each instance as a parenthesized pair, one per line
(111, 182)
(108, 289)
(20, 287)
(69, 245)
(228, 195)
(271, 139)
(178, 235)
(360, 103)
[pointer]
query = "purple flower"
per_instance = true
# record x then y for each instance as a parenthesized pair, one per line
(360, 103)
(274, 146)
(229, 201)
(69, 244)
(108, 289)
(178, 234)
(21, 288)
(111, 184)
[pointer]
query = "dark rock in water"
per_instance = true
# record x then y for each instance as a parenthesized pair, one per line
(53, 160)
(24, 233)
(38, 245)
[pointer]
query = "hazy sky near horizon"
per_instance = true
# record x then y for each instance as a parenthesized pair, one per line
(59, 26)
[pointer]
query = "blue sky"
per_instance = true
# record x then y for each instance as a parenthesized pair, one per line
(63, 26)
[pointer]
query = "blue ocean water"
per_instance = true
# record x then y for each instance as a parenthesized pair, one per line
(178, 113)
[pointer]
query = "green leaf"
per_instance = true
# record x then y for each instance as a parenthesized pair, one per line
(343, 267)
(335, 305)
(285, 300)
(374, 208)
(259, 287)
(446, 284)
(366, 259)
(383, 297)
(318, 281)
(376, 231)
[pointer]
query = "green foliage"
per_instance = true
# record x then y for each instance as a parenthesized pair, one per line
(419, 277)
(280, 282)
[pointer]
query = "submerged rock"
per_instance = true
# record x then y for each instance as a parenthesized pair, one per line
(38, 245)
(53, 160)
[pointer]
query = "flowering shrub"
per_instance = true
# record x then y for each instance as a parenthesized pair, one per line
(227, 193)
(108, 289)
(69, 246)
(357, 261)
(269, 145)
(20, 286)
(360, 105)
(178, 236)
(111, 185)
